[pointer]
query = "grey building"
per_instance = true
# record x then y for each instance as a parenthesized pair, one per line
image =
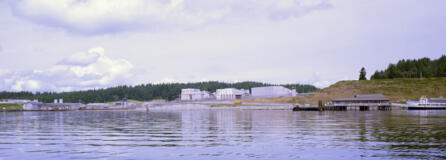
(273, 91)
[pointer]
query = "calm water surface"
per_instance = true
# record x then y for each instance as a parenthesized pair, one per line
(223, 134)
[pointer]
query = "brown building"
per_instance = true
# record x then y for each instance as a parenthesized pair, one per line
(361, 102)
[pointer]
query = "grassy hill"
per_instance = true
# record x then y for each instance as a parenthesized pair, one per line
(397, 90)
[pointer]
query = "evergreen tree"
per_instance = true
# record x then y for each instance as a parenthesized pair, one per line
(362, 74)
(416, 68)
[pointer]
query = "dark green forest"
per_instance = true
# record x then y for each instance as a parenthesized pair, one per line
(144, 92)
(416, 68)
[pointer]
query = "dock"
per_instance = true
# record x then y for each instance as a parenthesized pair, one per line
(359, 107)
(350, 107)
(365, 102)
(306, 108)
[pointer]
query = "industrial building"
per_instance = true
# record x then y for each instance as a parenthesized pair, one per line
(361, 102)
(192, 94)
(231, 94)
(14, 100)
(273, 91)
(363, 99)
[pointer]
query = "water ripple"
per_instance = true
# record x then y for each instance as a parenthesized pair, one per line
(223, 134)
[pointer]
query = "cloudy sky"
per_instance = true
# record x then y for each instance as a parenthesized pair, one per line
(63, 45)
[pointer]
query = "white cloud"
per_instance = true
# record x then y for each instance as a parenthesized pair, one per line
(322, 84)
(168, 80)
(71, 74)
(83, 58)
(30, 85)
(102, 16)
(336, 42)
(4, 71)
(17, 86)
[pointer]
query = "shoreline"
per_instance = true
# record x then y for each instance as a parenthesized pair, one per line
(213, 105)
(168, 106)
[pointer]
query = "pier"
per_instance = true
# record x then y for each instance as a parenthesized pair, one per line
(365, 102)
(358, 107)
(349, 107)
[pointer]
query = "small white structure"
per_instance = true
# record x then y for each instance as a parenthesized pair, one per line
(231, 94)
(58, 101)
(192, 94)
(273, 91)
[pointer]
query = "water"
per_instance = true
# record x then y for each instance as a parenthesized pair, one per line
(223, 134)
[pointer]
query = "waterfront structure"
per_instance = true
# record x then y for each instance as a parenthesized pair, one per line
(273, 91)
(38, 106)
(231, 94)
(192, 94)
(14, 100)
(359, 102)
(427, 103)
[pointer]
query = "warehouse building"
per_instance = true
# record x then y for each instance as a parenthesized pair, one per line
(231, 94)
(192, 94)
(273, 91)
(361, 102)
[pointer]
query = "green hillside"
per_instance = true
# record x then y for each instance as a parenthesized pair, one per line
(397, 90)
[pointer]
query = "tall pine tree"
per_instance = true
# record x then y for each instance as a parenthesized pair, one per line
(362, 74)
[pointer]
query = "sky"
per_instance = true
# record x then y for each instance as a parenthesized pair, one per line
(67, 45)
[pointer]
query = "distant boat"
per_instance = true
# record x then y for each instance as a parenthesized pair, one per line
(427, 104)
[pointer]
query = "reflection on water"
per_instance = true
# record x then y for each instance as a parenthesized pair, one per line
(223, 134)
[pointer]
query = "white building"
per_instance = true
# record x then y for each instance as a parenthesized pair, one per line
(14, 100)
(58, 100)
(231, 94)
(273, 91)
(192, 94)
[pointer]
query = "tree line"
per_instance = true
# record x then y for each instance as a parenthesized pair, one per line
(143, 92)
(416, 68)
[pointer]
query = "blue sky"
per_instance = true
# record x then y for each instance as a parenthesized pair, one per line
(64, 45)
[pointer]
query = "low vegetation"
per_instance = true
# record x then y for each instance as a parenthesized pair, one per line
(398, 90)
(11, 106)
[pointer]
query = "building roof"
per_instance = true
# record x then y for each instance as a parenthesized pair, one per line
(437, 100)
(361, 99)
(230, 91)
(364, 97)
(15, 100)
(190, 89)
(369, 96)
(268, 87)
